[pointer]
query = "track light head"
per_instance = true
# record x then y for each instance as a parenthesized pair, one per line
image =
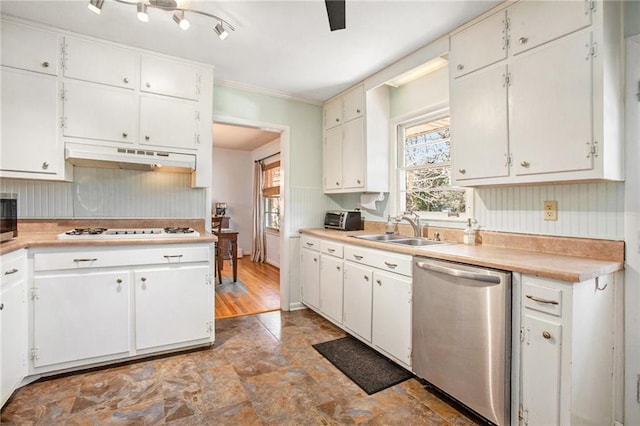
(221, 31)
(142, 12)
(178, 18)
(95, 6)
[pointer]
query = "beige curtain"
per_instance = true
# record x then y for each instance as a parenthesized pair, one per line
(258, 252)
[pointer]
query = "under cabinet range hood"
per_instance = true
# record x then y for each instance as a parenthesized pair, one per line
(131, 158)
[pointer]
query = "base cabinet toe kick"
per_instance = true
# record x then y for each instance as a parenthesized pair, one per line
(92, 306)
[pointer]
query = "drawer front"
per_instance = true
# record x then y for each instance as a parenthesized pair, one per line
(14, 268)
(540, 297)
(82, 259)
(310, 243)
(387, 261)
(331, 248)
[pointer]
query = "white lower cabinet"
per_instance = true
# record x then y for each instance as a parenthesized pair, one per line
(358, 299)
(310, 271)
(567, 351)
(80, 316)
(170, 305)
(331, 287)
(94, 305)
(13, 323)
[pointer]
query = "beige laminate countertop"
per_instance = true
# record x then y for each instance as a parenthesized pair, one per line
(48, 239)
(548, 265)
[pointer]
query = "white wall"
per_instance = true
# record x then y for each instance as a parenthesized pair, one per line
(232, 184)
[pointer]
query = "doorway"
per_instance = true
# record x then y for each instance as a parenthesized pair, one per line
(237, 147)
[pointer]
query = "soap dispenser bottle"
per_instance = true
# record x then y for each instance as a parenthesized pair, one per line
(469, 237)
(389, 228)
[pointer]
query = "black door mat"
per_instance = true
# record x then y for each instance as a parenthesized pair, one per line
(363, 365)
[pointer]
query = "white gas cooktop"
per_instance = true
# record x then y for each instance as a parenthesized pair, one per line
(127, 233)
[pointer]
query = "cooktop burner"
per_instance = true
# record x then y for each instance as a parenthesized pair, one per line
(139, 233)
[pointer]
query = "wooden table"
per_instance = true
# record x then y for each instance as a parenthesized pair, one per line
(230, 236)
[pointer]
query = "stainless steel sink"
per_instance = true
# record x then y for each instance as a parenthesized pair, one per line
(399, 239)
(417, 242)
(380, 237)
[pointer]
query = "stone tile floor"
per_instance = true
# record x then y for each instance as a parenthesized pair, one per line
(262, 370)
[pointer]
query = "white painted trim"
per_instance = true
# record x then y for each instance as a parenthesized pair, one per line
(285, 167)
(267, 92)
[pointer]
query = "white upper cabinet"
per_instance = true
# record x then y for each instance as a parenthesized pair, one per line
(478, 46)
(29, 49)
(353, 154)
(95, 111)
(333, 113)
(534, 23)
(100, 63)
(353, 104)
(169, 122)
(332, 158)
(168, 77)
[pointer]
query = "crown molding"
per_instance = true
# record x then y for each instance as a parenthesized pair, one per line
(268, 92)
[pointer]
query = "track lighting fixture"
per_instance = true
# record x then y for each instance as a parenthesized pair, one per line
(95, 6)
(221, 28)
(142, 12)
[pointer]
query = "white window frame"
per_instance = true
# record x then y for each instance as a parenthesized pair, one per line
(399, 125)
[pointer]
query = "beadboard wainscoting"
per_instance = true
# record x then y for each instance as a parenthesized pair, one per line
(589, 210)
(108, 193)
(307, 207)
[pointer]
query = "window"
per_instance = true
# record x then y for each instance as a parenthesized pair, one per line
(271, 195)
(424, 170)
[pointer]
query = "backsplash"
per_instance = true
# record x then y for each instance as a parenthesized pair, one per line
(108, 193)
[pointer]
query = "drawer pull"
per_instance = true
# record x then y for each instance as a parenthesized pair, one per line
(169, 256)
(539, 300)
(331, 250)
(92, 259)
(11, 272)
(391, 265)
(357, 257)
(546, 335)
(310, 244)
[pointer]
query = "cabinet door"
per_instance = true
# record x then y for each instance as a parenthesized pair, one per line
(353, 104)
(310, 275)
(391, 328)
(169, 122)
(331, 287)
(80, 316)
(551, 107)
(533, 23)
(332, 161)
(169, 77)
(541, 361)
(95, 111)
(29, 49)
(172, 306)
(358, 297)
(353, 154)
(479, 45)
(479, 125)
(100, 63)
(333, 113)
(30, 123)
(13, 337)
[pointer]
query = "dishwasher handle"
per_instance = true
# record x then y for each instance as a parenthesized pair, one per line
(459, 273)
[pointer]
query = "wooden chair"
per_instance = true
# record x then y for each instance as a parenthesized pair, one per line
(216, 229)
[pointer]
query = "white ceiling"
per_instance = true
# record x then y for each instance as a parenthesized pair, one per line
(280, 46)
(241, 138)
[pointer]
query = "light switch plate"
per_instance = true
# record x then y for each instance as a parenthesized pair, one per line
(550, 210)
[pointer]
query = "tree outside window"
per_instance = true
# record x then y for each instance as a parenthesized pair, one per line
(271, 195)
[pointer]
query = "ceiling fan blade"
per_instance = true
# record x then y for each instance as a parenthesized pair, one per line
(336, 14)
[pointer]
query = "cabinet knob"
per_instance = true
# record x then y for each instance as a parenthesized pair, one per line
(366, 278)
(337, 183)
(143, 279)
(125, 80)
(45, 165)
(524, 163)
(338, 268)
(358, 111)
(546, 335)
(378, 282)
(315, 259)
(337, 120)
(1, 306)
(460, 67)
(148, 85)
(523, 40)
(358, 181)
(119, 281)
(125, 134)
(462, 171)
(45, 64)
(146, 138)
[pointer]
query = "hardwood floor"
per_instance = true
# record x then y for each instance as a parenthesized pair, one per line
(259, 290)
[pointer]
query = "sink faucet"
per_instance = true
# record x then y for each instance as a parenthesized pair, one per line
(413, 219)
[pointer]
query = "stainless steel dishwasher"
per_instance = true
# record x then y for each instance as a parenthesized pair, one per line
(462, 334)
